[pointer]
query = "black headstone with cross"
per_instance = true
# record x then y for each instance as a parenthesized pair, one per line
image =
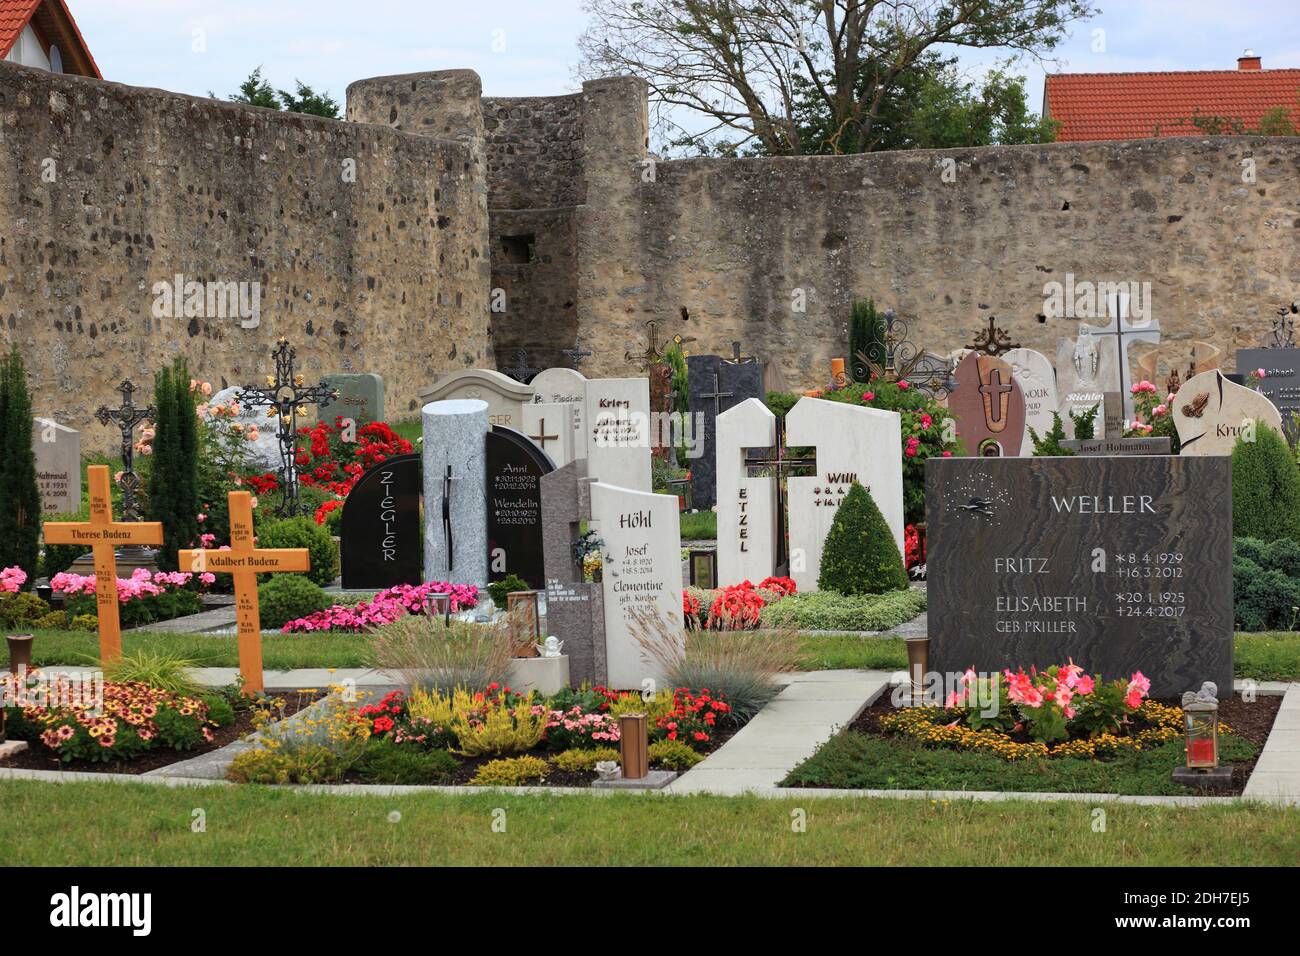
(515, 467)
(126, 417)
(715, 385)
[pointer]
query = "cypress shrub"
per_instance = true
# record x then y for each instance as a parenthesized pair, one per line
(860, 556)
(173, 479)
(866, 336)
(1265, 488)
(20, 499)
(302, 532)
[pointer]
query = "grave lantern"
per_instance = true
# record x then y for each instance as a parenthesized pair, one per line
(704, 567)
(20, 652)
(523, 610)
(918, 664)
(442, 605)
(634, 746)
(1201, 728)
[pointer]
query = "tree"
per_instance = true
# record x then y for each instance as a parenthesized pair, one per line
(256, 91)
(1265, 488)
(1049, 444)
(173, 480)
(20, 498)
(764, 73)
(860, 555)
(866, 338)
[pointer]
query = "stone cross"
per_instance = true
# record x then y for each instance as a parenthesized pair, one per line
(285, 399)
(1125, 333)
(103, 534)
(243, 561)
(126, 418)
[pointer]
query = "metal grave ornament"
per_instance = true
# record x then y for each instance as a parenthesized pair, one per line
(126, 417)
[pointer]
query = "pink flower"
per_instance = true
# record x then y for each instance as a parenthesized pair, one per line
(868, 396)
(902, 384)
(947, 454)
(1259, 373)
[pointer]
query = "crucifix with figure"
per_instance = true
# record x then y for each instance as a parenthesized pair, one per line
(285, 399)
(126, 417)
(244, 561)
(104, 535)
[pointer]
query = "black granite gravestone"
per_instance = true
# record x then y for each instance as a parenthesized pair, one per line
(514, 526)
(1281, 381)
(1121, 564)
(380, 539)
(715, 385)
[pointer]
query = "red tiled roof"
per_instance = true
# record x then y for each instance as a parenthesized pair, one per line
(16, 14)
(1094, 106)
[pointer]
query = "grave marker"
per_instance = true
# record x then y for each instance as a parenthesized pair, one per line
(1037, 379)
(716, 385)
(455, 496)
(360, 395)
(1117, 446)
(504, 396)
(618, 427)
(574, 606)
(989, 407)
(58, 466)
(566, 387)
(380, 539)
(515, 467)
(103, 535)
(747, 507)
(126, 417)
(549, 426)
(1211, 413)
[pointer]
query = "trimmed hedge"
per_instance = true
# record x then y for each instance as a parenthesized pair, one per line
(860, 555)
(302, 532)
(287, 597)
(828, 611)
(1265, 488)
(1265, 584)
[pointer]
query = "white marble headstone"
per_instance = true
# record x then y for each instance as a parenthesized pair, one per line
(1211, 413)
(455, 545)
(265, 451)
(746, 506)
(1037, 381)
(1084, 372)
(852, 443)
(58, 466)
(618, 432)
(549, 426)
(504, 396)
(641, 579)
(565, 386)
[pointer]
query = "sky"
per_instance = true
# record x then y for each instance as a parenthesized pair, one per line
(529, 47)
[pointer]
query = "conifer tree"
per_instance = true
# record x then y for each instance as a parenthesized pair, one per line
(20, 499)
(173, 480)
(860, 555)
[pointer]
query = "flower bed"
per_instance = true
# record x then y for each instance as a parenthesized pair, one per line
(735, 607)
(384, 608)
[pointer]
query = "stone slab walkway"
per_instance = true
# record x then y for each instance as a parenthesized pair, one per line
(1276, 777)
(813, 706)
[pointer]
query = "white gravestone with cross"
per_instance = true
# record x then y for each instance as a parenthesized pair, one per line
(549, 426)
(618, 431)
(851, 443)
(746, 506)
(565, 386)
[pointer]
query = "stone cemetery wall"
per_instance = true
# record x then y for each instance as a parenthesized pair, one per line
(106, 190)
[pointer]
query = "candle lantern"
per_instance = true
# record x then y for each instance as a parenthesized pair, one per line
(523, 611)
(918, 664)
(634, 746)
(20, 652)
(704, 568)
(442, 605)
(839, 378)
(1201, 727)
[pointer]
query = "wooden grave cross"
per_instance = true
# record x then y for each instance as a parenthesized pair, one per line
(243, 561)
(104, 535)
(541, 438)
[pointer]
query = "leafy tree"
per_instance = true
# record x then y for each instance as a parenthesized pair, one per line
(860, 555)
(20, 500)
(1265, 488)
(785, 77)
(173, 479)
(256, 91)
(866, 338)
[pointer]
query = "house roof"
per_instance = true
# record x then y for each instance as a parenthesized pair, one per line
(1093, 106)
(53, 20)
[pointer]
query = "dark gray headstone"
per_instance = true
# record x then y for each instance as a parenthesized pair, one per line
(380, 537)
(575, 609)
(1093, 447)
(1281, 382)
(1121, 564)
(515, 467)
(715, 385)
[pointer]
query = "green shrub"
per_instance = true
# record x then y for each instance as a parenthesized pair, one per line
(673, 755)
(1265, 488)
(20, 500)
(500, 590)
(21, 610)
(140, 611)
(1265, 587)
(1049, 443)
(287, 597)
(173, 482)
(163, 671)
(780, 403)
(829, 611)
(584, 761)
(404, 764)
(53, 621)
(866, 339)
(510, 772)
(1085, 422)
(313, 763)
(220, 710)
(84, 622)
(302, 532)
(860, 556)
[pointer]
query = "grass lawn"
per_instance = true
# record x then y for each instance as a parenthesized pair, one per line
(1267, 656)
(699, 526)
(134, 825)
(855, 760)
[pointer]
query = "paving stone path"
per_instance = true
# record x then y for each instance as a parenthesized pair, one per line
(1277, 773)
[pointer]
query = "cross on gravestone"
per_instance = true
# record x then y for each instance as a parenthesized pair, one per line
(522, 371)
(243, 561)
(576, 354)
(736, 358)
(541, 437)
(782, 465)
(1283, 334)
(993, 340)
(1125, 333)
(103, 534)
(126, 418)
(717, 394)
(994, 387)
(285, 398)
(651, 355)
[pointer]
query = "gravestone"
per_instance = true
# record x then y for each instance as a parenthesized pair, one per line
(1117, 446)
(1281, 381)
(989, 407)
(549, 426)
(455, 499)
(380, 539)
(361, 396)
(1037, 379)
(1211, 413)
(1118, 563)
(575, 609)
(1113, 341)
(565, 386)
(504, 396)
(1081, 369)
(746, 506)
(715, 385)
(58, 466)
(1112, 414)
(264, 453)
(618, 431)
(515, 467)
(642, 580)
(852, 443)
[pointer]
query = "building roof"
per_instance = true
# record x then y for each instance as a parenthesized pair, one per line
(1100, 106)
(53, 20)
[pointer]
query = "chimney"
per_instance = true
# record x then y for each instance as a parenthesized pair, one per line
(1248, 61)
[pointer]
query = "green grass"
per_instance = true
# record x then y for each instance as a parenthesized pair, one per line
(1267, 656)
(134, 825)
(279, 652)
(855, 760)
(410, 429)
(822, 652)
(699, 526)
(829, 611)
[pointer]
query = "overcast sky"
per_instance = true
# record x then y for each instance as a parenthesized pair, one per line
(528, 47)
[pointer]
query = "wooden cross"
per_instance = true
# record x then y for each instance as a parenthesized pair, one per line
(243, 561)
(103, 534)
(542, 438)
(126, 418)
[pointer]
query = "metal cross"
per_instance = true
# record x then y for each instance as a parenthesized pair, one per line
(717, 394)
(736, 358)
(542, 438)
(447, 479)
(522, 371)
(126, 418)
(993, 340)
(285, 399)
(576, 354)
(1283, 335)
(652, 355)
(781, 465)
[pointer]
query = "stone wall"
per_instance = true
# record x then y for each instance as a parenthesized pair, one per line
(106, 190)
